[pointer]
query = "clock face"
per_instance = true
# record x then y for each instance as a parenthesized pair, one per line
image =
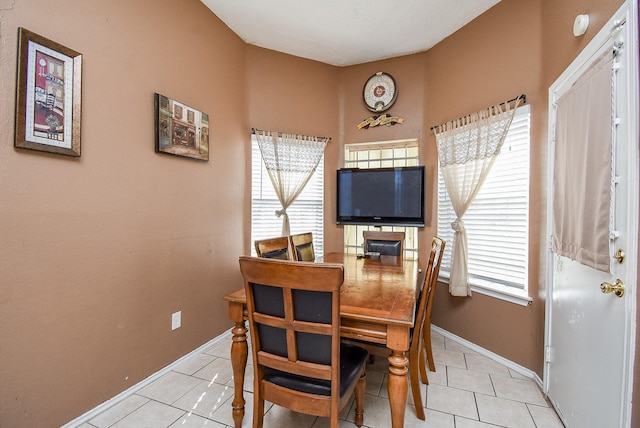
(380, 92)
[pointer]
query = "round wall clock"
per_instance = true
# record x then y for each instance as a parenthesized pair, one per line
(380, 92)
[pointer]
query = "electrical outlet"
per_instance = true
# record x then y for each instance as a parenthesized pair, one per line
(176, 320)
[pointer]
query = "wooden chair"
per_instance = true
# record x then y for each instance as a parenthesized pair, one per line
(429, 288)
(385, 243)
(302, 247)
(298, 358)
(417, 346)
(274, 248)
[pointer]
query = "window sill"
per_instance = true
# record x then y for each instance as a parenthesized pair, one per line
(488, 288)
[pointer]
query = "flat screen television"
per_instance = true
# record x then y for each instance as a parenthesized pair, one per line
(381, 196)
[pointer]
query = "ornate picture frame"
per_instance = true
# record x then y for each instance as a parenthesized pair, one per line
(48, 96)
(181, 130)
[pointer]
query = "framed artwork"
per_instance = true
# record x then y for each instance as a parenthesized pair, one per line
(179, 135)
(48, 96)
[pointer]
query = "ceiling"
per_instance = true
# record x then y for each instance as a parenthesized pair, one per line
(346, 32)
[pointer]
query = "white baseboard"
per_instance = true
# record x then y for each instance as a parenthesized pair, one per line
(124, 394)
(495, 357)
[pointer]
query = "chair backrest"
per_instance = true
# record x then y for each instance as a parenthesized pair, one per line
(385, 243)
(302, 247)
(427, 291)
(294, 320)
(431, 276)
(274, 248)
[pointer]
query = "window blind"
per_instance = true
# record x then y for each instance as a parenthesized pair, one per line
(497, 221)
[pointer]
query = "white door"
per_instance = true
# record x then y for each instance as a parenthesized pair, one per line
(590, 334)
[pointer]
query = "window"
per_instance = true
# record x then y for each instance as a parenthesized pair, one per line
(497, 221)
(306, 214)
(381, 155)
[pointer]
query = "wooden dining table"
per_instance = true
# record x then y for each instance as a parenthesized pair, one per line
(377, 305)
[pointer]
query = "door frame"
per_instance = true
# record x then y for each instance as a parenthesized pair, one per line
(629, 12)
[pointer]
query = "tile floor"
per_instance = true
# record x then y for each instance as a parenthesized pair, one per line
(467, 390)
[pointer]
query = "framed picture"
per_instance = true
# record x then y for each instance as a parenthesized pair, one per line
(179, 134)
(48, 96)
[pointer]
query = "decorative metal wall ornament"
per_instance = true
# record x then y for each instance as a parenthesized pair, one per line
(379, 120)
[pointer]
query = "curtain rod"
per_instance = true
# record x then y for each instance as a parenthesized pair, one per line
(524, 101)
(280, 134)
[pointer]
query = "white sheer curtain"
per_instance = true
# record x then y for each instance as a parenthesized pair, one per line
(467, 148)
(290, 160)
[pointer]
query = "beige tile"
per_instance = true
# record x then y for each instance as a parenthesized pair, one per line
(281, 417)
(480, 363)
(348, 412)
(469, 423)
(377, 413)
(423, 394)
(224, 414)
(384, 392)
(470, 380)
(219, 371)
(435, 420)
(222, 348)
(545, 417)
(439, 377)
(248, 378)
(190, 420)
(525, 391)
(514, 374)
(151, 415)
(326, 423)
(449, 358)
(505, 413)
(380, 364)
(376, 382)
(169, 387)
(118, 411)
(205, 398)
(437, 341)
(454, 346)
(451, 400)
(346, 418)
(193, 364)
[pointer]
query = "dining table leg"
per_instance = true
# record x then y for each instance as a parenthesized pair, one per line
(397, 386)
(239, 352)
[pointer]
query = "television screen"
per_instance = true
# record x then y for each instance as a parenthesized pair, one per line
(381, 196)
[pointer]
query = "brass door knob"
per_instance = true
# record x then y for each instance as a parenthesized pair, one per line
(617, 288)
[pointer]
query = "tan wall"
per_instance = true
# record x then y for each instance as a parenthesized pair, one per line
(519, 46)
(296, 95)
(97, 252)
(409, 73)
(462, 74)
(466, 72)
